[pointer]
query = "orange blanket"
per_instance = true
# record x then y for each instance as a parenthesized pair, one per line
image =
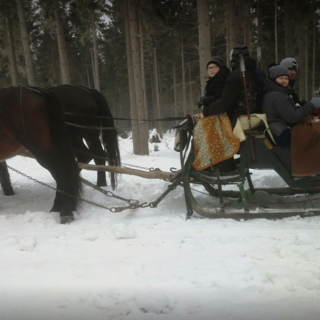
(305, 148)
(213, 141)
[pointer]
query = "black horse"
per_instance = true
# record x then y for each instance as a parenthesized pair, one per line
(88, 117)
(33, 119)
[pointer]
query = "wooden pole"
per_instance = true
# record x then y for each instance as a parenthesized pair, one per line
(155, 174)
(163, 175)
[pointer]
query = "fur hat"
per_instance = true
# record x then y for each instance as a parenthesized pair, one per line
(290, 63)
(237, 51)
(278, 71)
(216, 60)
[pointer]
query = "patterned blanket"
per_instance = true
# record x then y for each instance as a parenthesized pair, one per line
(305, 148)
(213, 141)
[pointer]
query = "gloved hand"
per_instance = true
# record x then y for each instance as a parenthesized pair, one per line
(206, 111)
(315, 100)
(201, 102)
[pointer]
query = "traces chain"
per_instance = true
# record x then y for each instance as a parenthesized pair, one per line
(132, 204)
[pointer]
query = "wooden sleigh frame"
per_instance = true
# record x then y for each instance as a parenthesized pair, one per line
(244, 203)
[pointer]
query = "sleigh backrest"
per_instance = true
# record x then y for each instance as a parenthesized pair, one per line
(259, 125)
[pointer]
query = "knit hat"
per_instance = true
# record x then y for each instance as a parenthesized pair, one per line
(237, 51)
(216, 60)
(278, 71)
(290, 63)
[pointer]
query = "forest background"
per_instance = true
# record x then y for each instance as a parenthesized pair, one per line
(148, 57)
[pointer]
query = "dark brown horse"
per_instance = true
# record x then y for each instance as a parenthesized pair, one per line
(33, 119)
(88, 118)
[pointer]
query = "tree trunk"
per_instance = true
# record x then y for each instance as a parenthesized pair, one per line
(132, 93)
(142, 108)
(289, 28)
(63, 55)
(306, 68)
(88, 77)
(92, 63)
(246, 24)
(55, 77)
(26, 43)
(96, 79)
(301, 71)
(153, 99)
(191, 106)
(12, 54)
(233, 27)
(259, 35)
(276, 30)
(175, 100)
(156, 92)
(183, 79)
(204, 39)
(314, 56)
(137, 68)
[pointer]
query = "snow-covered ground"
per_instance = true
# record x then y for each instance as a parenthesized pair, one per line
(150, 263)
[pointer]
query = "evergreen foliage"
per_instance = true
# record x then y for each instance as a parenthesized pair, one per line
(169, 26)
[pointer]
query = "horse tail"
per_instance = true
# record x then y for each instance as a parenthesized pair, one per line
(62, 151)
(109, 136)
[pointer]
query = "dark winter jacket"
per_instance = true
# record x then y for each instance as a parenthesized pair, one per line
(294, 95)
(233, 98)
(280, 108)
(214, 86)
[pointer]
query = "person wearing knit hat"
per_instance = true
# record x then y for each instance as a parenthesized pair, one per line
(293, 67)
(215, 60)
(278, 71)
(217, 74)
(234, 97)
(279, 106)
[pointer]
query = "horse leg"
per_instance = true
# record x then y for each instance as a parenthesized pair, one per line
(5, 179)
(64, 170)
(99, 156)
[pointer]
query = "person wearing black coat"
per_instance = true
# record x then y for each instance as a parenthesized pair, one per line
(280, 107)
(218, 73)
(232, 98)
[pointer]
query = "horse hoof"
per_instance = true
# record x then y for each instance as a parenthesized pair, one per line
(8, 192)
(66, 219)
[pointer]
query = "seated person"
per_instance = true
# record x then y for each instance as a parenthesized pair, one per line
(233, 100)
(214, 144)
(279, 106)
(217, 74)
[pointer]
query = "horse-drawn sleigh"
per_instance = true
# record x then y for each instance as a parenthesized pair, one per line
(35, 120)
